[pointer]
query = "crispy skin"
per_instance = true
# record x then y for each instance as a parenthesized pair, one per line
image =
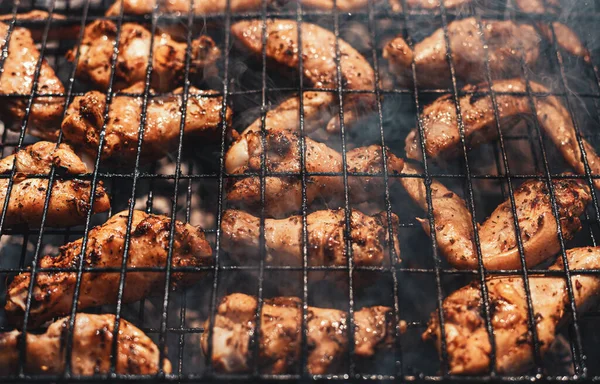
(507, 44)
(283, 194)
(499, 248)
(17, 77)
(467, 340)
(319, 64)
(326, 245)
(70, 199)
(84, 121)
(39, 19)
(442, 136)
(91, 349)
(168, 61)
(280, 335)
(53, 291)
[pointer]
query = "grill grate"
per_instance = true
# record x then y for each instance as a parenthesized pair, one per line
(193, 191)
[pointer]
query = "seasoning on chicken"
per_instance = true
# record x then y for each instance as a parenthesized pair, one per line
(91, 351)
(280, 335)
(507, 43)
(168, 56)
(17, 78)
(85, 119)
(318, 57)
(60, 28)
(441, 131)
(326, 244)
(497, 236)
(70, 198)
(467, 340)
(283, 194)
(148, 247)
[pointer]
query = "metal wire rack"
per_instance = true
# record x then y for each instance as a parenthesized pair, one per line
(190, 186)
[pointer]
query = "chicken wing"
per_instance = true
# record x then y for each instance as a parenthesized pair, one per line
(441, 131)
(499, 247)
(85, 119)
(70, 198)
(326, 244)
(91, 349)
(467, 340)
(168, 56)
(319, 60)
(17, 78)
(63, 30)
(148, 247)
(280, 335)
(506, 43)
(283, 194)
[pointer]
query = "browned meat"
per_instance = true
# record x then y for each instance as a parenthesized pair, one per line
(280, 345)
(142, 7)
(319, 63)
(53, 291)
(85, 119)
(429, 5)
(283, 194)
(168, 59)
(17, 78)
(441, 131)
(91, 349)
(326, 245)
(70, 198)
(467, 339)
(58, 31)
(507, 43)
(497, 236)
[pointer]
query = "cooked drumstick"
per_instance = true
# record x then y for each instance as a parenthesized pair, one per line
(441, 130)
(326, 244)
(319, 60)
(283, 194)
(70, 198)
(149, 242)
(40, 18)
(91, 351)
(467, 340)
(280, 335)
(85, 119)
(17, 78)
(168, 56)
(497, 236)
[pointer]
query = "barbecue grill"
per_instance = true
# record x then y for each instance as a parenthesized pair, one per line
(189, 185)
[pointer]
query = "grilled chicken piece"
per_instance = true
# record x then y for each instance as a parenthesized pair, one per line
(168, 56)
(507, 43)
(143, 7)
(497, 236)
(70, 198)
(17, 78)
(85, 119)
(53, 291)
(283, 194)
(38, 21)
(280, 335)
(441, 130)
(91, 348)
(325, 232)
(319, 60)
(429, 5)
(468, 344)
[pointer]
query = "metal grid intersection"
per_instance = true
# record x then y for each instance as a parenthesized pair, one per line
(83, 13)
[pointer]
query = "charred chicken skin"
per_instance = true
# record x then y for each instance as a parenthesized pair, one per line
(467, 340)
(91, 349)
(168, 56)
(149, 241)
(326, 244)
(442, 137)
(70, 198)
(85, 119)
(283, 194)
(497, 236)
(40, 18)
(17, 78)
(319, 60)
(280, 335)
